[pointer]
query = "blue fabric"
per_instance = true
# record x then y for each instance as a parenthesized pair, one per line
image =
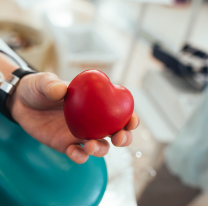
(187, 157)
(32, 174)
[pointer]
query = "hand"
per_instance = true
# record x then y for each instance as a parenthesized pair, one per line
(37, 105)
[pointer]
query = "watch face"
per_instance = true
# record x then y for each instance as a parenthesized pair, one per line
(1, 77)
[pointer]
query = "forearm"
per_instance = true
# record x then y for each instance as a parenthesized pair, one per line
(7, 66)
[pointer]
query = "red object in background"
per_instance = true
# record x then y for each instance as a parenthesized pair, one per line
(95, 108)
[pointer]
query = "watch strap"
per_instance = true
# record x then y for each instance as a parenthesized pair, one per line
(3, 108)
(19, 73)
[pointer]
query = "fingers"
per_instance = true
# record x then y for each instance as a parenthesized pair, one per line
(77, 154)
(49, 85)
(100, 147)
(122, 138)
(97, 148)
(80, 155)
(133, 122)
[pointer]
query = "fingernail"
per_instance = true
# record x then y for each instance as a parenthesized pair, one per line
(75, 153)
(124, 140)
(136, 124)
(96, 149)
(54, 85)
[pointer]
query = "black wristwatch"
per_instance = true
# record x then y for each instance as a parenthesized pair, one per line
(8, 86)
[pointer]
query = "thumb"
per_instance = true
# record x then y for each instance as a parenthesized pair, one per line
(49, 85)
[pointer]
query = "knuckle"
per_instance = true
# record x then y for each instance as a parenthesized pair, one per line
(48, 79)
(49, 75)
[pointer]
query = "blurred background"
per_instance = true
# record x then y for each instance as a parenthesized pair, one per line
(158, 49)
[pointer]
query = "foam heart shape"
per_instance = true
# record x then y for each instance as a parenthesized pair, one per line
(95, 108)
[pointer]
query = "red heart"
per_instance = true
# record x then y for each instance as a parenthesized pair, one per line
(95, 108)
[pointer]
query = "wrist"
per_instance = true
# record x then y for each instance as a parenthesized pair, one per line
(6, 66)
(7, 89)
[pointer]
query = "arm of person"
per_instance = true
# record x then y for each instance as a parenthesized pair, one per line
(37, 106)
(6, 66)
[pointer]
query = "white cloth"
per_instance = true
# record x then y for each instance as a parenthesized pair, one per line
(1, 77)
(4, 47)
(187, 157)
(120, 188)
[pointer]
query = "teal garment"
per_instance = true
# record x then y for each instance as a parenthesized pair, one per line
(187, 157)
(32, 174)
